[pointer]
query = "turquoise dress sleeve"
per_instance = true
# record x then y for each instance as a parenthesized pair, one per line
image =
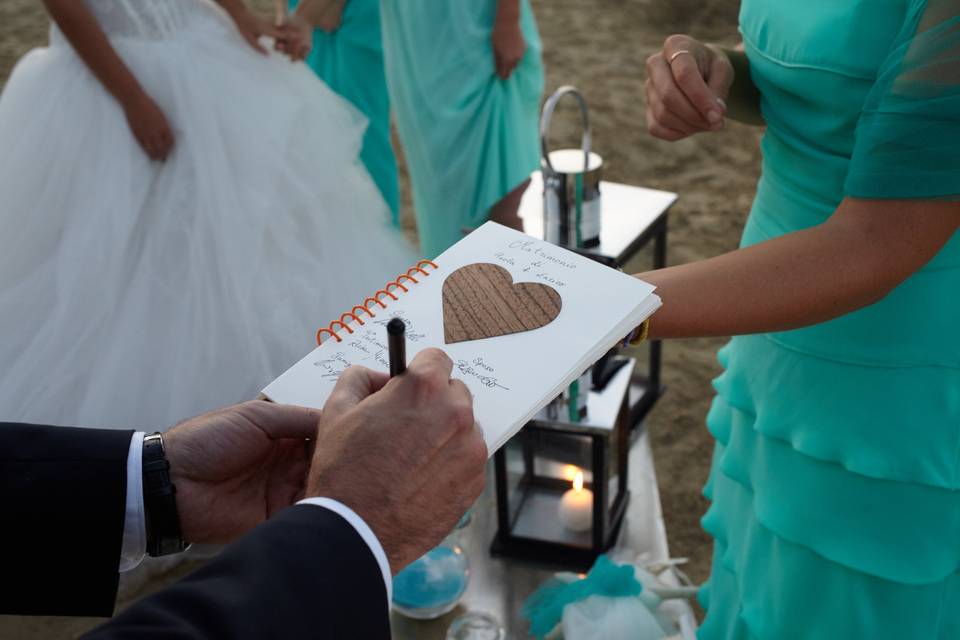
(908, 135)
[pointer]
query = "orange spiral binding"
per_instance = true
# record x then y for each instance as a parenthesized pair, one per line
(353, 314)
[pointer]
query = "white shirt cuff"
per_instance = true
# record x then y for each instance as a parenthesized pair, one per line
(134, 545)
(365, 532)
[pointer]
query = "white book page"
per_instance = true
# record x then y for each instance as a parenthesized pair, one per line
(513, 376)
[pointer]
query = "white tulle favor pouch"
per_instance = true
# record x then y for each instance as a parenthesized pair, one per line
(611, 619)
(613, 602)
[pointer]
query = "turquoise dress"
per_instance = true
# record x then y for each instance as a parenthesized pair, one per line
(469, 138)
(835, 485)
(350, 61)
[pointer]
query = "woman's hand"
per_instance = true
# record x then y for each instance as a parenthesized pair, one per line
(852, 260)
(296, 30)
(329, 19)
(509, 45)
(149, 126)
(687, 86)
(250, 25)
(296, 37)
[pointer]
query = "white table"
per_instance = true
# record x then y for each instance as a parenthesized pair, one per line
(501, 586)
(630, 217)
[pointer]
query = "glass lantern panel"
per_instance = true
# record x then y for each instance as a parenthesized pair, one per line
(544, 504)
(519, 472)
(553, 457)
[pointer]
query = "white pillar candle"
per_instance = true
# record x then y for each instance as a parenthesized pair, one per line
(576, 506)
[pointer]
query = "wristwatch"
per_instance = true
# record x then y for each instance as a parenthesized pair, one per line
(160, 501)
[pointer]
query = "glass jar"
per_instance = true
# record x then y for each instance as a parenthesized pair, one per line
(476, 625)
(434, 583)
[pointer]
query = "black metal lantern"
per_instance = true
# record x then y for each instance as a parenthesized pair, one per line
(542, 516)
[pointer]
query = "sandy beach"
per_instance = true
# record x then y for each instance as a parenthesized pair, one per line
(599, 46)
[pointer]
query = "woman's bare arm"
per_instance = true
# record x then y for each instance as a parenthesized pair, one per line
(852, 260)
(146, 120)
(91, 44)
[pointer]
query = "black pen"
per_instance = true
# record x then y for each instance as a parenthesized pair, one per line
(397, 344)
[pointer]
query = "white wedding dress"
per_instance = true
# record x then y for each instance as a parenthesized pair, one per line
(134, 294)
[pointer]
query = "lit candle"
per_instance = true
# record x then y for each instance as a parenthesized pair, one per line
(576, 506)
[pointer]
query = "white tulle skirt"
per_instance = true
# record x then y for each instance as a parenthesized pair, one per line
(134, 294)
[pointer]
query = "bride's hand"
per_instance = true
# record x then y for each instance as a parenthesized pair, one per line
(295, 38)
(251, 26)
(149, 126)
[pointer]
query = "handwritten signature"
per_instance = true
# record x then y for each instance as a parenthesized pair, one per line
(334, 366)
(412, 335)
(467, 369)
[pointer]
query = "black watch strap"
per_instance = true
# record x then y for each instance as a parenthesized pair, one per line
(160, 501)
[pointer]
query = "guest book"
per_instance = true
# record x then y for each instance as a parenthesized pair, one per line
(519, 317)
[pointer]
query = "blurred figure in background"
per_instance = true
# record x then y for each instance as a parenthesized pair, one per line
(347, 54)
(465, 81)
(181, 209)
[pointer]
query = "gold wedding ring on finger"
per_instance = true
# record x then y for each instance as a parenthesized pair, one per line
(677, 54)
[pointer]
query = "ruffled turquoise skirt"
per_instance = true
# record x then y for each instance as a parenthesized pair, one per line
(834, 488)
(835, 508)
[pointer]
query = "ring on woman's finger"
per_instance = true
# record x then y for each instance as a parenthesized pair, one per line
(675, 54)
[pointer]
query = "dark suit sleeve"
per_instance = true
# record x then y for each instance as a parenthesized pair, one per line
(63, 499)
(306, 573)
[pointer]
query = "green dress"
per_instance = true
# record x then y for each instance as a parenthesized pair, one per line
(350, 61)
(469, 138)
(835, 485)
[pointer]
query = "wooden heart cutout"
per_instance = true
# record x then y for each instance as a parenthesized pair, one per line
(480, 300)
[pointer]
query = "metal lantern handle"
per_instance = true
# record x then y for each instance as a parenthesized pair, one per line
(547, 115)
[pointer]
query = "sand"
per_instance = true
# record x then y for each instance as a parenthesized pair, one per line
(599, 46)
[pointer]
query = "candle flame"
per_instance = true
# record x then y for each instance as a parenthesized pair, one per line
(570, 472)
(578, 481)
